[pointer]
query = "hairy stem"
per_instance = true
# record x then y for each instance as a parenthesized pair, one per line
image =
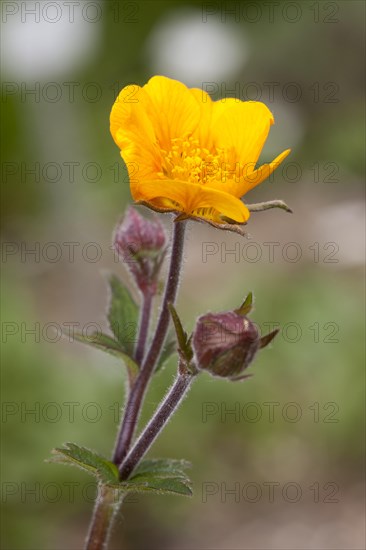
(138, 390)
(143, 327)
(153, 428)
(105, 510)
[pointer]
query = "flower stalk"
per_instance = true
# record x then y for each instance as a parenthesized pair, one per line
(162, 415)
(143, 326)
(137, 392)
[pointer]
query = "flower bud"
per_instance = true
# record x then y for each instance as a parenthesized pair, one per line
(225, 343)
(140, 243)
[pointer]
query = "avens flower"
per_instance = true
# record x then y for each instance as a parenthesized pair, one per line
(189, 154)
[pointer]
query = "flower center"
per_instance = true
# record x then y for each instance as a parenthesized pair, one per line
(188, 161)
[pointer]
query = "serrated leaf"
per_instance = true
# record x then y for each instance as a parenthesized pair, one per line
(162, 466)
(161, 485)
(106, 343)
(169, 349)
(87, 460)
(122, 314)
(247, 306)
(161, 476)
(158, 485)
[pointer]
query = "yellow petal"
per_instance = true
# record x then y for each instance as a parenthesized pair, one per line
(190, 197)
(263, 172)
(129, 116)
(173, 109)
(241, 126)
(134, 134)
(203, 131)
(211, 111)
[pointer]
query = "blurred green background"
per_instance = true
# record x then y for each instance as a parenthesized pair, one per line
(298, 423)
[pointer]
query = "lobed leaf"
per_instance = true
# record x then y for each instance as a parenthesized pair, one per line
(158, 485)
(162, 466)
(87, 460)
(160, 476)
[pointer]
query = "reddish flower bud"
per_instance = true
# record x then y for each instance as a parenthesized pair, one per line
(226, 343)
(140, 243)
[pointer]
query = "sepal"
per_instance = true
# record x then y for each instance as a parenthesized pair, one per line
(261, 206)
(185, 349)
(247, 306)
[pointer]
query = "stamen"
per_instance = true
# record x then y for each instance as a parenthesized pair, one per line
(187, 161)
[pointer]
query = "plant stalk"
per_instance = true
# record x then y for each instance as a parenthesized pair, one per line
(135, 399)
(143, 326)
(106, 506)
(105, 510)
(157, 422)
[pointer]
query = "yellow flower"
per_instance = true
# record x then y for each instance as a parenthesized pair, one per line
(187, 153)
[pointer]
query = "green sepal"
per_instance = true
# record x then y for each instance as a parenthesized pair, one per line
(261, 206)
(267, 338)
(122, 314)
(87, 460)
(184, 341)
(108, 344)
(247, 306)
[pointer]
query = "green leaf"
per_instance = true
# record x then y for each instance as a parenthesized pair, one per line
(106, 343)
(246, 306)
(159, 485)
(87, 460)
(169, 349)
(161, 476)
(162, 466)
(122, 314)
